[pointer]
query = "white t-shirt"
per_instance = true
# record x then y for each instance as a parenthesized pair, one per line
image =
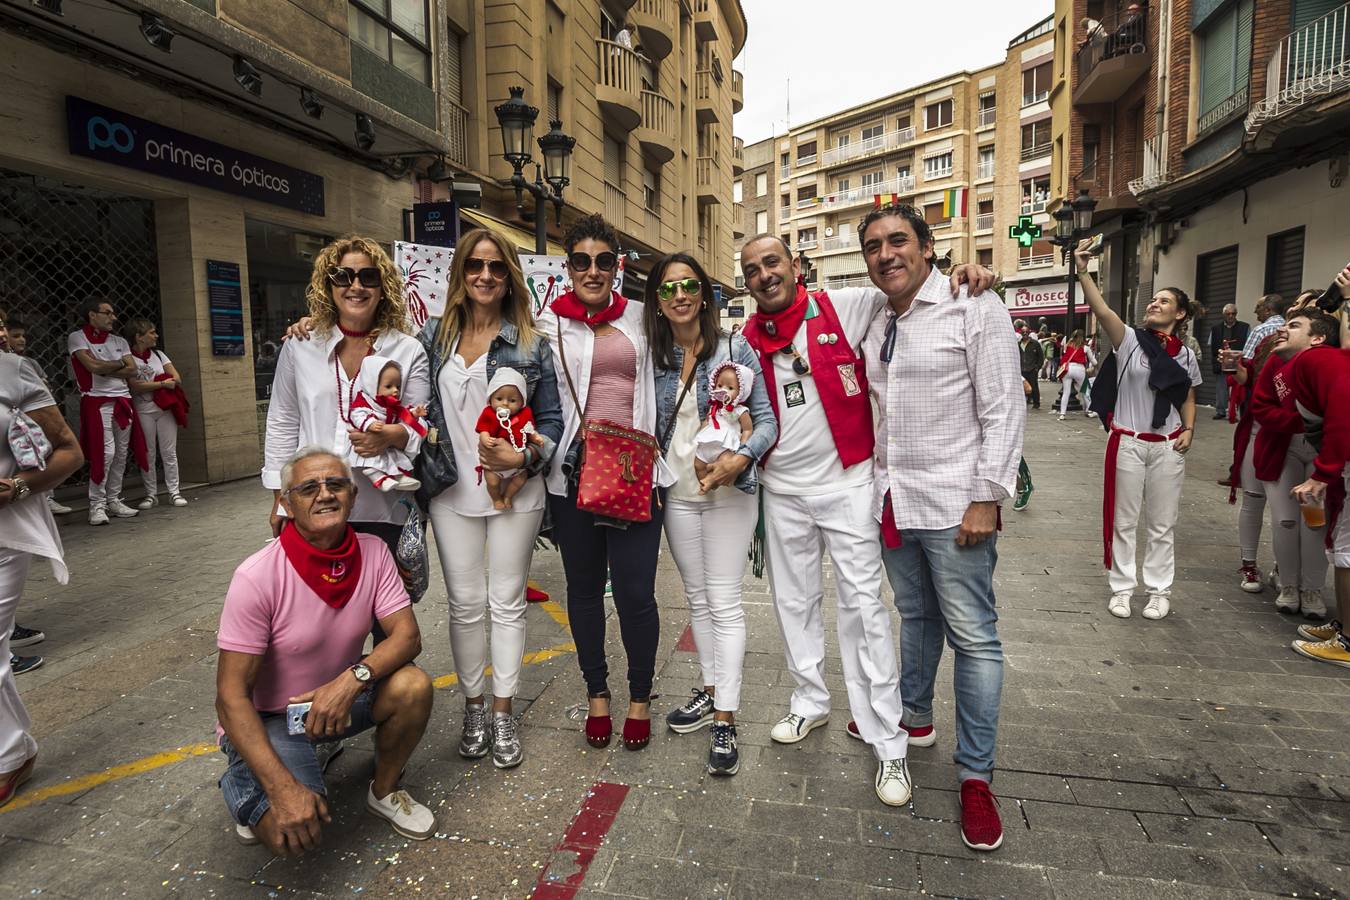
(463, 393)
(26, 525)
(680, 456)
(149, 369)
(1134, 399)
(805, 461)
(113, 348)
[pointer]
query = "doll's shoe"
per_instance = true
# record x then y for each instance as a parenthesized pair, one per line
(381, 481)
(599, 729)
(406, 483)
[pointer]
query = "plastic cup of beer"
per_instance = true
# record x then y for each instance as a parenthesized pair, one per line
(1314, 514)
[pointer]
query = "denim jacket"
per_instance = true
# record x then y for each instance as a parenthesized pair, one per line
(534, 363)
(764, 422)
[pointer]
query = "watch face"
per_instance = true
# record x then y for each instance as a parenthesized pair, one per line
(361, 671)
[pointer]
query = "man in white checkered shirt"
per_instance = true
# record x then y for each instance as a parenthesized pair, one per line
(946, 377)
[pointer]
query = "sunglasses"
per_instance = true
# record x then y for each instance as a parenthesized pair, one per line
(496, 267)
(310, 489)
(581, 262)
(799, 365)
(692, 287)
(345, 276)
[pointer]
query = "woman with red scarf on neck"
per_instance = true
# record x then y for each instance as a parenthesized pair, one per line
(1145, 395)
(605, 371)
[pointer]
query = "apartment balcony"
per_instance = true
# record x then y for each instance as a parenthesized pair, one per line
(457, 131)
(1155, 168)
(656, 133)
(985, 170)
(655, 21)
(1030, 153)
(988, 118)
(984, 222)
(1033, 206)
(880, 144)
(705, 98)
(706, 181)
(784, 213)
(1108, 178)
(1113, 57)
(844, 239)
(806, 243)
(738, 221)
(867, 193)
(705, 20)
(619, 88)
(737, 156)
(849, 281)
(652, 220)
(1309, 65)
(616, 206)
(737, 91)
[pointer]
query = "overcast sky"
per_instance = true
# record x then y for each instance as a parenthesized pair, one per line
(839, 53)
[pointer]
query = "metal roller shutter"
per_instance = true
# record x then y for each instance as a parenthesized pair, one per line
(1284, 263)
(1215, 285)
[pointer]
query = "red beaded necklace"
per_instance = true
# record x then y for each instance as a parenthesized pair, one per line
(351, 385)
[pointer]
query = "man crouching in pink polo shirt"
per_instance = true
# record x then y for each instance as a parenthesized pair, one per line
(294, 625)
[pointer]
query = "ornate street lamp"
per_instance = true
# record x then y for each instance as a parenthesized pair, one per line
(1073, 220)
(516, 118)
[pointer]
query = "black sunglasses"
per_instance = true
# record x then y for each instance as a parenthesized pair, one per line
(344, 276)
(496, 267)
(581, 262)
(692, 287)
(799, 365)
(309, 489)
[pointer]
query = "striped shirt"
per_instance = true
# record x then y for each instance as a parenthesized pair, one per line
(613, 377)
(1260, 333)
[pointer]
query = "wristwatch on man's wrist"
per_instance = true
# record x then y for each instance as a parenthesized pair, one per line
(21, 488)
(362, 672)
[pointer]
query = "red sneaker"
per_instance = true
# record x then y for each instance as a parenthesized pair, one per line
(919, 736)
(981, 828)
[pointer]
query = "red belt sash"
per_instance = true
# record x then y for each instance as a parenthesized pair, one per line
(91, 433)
(1109, 477)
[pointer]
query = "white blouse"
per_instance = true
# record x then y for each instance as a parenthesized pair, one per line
(147, 370)
(26, 525)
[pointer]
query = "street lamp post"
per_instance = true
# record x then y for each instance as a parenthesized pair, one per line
(1073, 220)
(516, 118)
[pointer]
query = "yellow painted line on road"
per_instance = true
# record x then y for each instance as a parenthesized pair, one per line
(556, 613)
(528, 659)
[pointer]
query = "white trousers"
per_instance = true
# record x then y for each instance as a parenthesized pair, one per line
(16, 744)
(709, 541)
(797, 530)
(161, 436)
(1300, 551)
(115, 441)
(1074, 376)
(1149, 476)
(503, 544)
(1339, 554)
(1252, 512)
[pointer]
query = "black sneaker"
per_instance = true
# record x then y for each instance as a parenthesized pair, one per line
(25, 637)
(695, 714)
(21, 664)
(723, 758)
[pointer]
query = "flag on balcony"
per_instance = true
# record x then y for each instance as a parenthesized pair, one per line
(954, 203)
(892, 200)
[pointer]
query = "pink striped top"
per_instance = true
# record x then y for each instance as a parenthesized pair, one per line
(613, 377)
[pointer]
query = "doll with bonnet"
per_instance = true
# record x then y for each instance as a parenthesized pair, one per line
(728, 425)
(379, 385)
(506, 417)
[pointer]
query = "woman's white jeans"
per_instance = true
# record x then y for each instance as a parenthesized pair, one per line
(161, 436)
(1299, 550)
(16, 744)
(1149, 476)
(503, 544)
(1075, 374)
(709, 540)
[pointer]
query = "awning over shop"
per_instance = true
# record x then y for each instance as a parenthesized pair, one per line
(523, 240)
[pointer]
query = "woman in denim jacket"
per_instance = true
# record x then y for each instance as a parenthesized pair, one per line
(709, 524)
(487, 325)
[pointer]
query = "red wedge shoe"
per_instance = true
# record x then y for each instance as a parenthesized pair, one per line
(637, 733)
(599, 729)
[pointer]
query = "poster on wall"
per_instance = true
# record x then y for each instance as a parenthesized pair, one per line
(226, 301)
(426, 268)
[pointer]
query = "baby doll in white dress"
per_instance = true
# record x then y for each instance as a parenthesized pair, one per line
(728, 425)
(379, 385)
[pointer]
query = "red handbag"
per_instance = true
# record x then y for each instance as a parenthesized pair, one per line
(616, 464)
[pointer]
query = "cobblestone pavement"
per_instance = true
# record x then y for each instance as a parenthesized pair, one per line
(1193, 757)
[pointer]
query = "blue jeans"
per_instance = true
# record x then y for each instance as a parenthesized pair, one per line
(946, 591)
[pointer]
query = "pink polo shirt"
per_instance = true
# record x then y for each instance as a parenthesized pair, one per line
(304, 643)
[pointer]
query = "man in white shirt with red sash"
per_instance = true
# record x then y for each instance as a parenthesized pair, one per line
(817, 484)
(101, 362)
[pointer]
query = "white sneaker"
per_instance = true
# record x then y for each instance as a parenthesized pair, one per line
(246, 836)
(408, 817)
(892, 782)
(1273, 578)
(148, 503)
(1158, 607)
(1119, 605)
(121, 510)
(792, 728)
(178, 500)
(1312, 605)
(1061, 417)
(98, 516)
(59, 509)
(1287, 602)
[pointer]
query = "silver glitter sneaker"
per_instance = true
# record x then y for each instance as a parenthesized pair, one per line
(475, 742)
(506, 750)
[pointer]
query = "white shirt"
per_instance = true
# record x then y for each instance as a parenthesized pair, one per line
(578, 342)
(951, 406)
(805, 461)
(147, 370)
(463, 393)
(26, 525)
(304, 410)
(1134, 398)
(680, 456)
(113, 348)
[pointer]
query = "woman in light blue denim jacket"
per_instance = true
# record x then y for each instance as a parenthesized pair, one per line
(487, 326)
(709, 524)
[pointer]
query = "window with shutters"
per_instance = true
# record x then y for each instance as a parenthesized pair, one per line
(1225, 45)
(761, 221)
(933, 215)
(843, 185)
(1216, 278)
(985, 256)
(454, 68)
(937, 115)
(1039, 254)
(761, 184)
(651, 190)
(737, 191)
(806, 153)
(873, 179)
(806, 195)
(1036, 139)
(555, 103)
(613, 162)
(1036, 83)
(873, 131)
(1284, 263)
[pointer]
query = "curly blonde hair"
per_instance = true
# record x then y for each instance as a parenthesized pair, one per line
(390, 315)
(515, 305)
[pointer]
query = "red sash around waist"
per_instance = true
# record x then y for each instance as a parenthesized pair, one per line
(1109, 478)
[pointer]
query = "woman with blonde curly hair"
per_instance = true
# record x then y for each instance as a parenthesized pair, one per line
(356, 310)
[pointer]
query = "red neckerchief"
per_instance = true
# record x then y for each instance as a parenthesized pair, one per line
(394, 412)
(138, 355)
(95, 336)
(770, 332)
(332, 574)
(1171, 343)
(569, 306)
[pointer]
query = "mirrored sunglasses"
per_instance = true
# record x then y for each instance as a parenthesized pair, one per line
(496, 267)
(692, 287)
